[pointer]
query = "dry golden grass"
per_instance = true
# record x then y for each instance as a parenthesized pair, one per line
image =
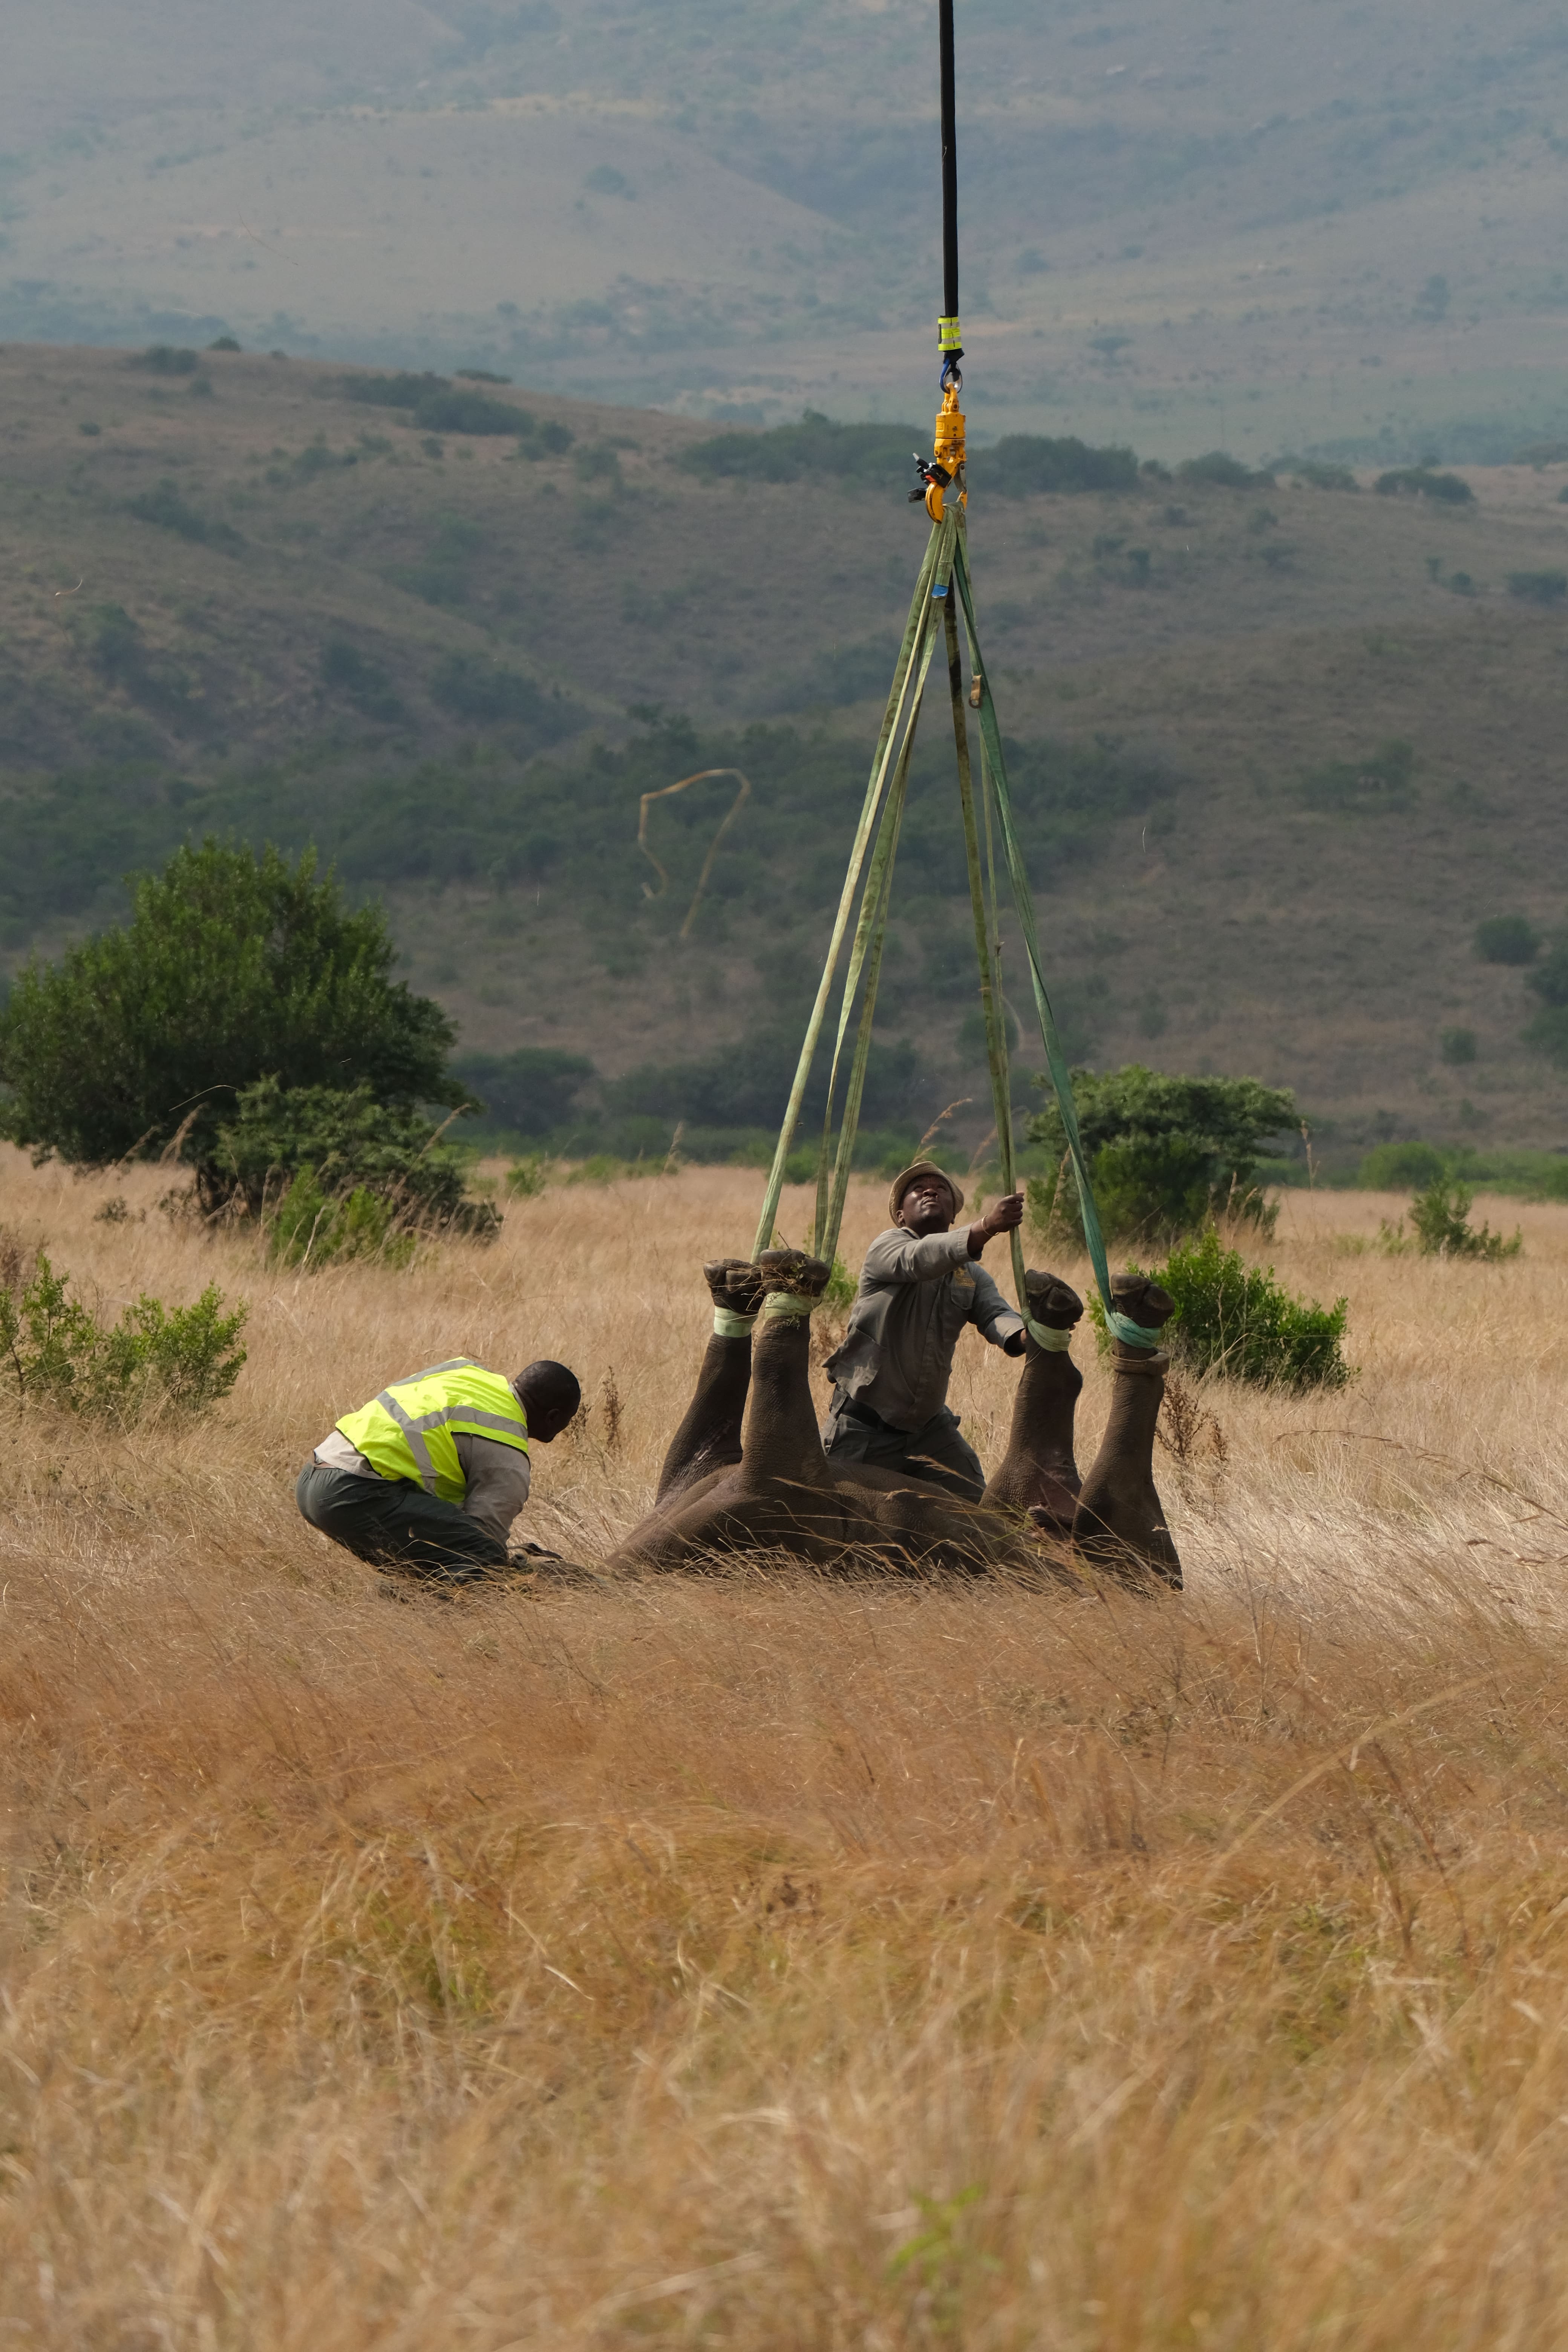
(773, 1961)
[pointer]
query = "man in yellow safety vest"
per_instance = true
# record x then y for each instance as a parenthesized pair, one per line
(430, 1474)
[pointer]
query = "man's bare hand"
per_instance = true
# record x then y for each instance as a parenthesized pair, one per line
(1002, 1217)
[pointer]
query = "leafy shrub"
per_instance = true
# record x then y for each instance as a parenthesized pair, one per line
(155, 1359)
(288, 1151)
(1549, 980)
(597, 462)
(529, 1092)
(1507, 939)
(1032, 465)
(1549, 1030)
(471, 685)
(1548, 1033)
(1458, 1046)
(170, 514)
(748, 1084)
(607, 1167)
(224, 343)
(231, 969)
(439, 406)
(873, 454)
(1390, 1167)
(364, 680)
(1165, 1153)
(1320, 476)
(1378, 785)
(1421, 482)
(469, 412)
(526, 1179)
(1236, 1319)
(1440, 1215)
(1539, 587)
(402, 390)
(311, 1226)
(550, 439)
(1228, 472)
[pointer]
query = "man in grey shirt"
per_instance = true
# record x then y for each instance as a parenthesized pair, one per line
(921, 1284)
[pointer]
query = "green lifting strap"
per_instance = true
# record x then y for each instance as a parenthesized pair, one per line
(994, 778)
(903, 703)
(933, 610)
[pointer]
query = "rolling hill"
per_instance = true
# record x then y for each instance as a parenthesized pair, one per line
(1187, 226)
(289, 600)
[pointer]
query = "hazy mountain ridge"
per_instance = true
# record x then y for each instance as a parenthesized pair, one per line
(1307, 225)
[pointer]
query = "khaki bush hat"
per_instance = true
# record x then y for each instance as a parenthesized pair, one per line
(906, 1177)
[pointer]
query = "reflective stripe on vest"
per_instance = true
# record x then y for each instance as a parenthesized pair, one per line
(411, 1429)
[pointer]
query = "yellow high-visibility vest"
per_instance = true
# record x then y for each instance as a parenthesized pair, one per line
(410, 1430)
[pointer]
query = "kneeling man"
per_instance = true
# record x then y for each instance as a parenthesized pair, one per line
(920, 1284)
(430, 1474)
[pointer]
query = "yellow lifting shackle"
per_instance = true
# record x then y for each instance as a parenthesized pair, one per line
(947, 451)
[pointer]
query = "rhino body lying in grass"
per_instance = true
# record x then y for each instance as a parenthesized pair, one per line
(745, 1471)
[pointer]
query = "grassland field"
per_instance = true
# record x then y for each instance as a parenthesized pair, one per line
(780, 1959)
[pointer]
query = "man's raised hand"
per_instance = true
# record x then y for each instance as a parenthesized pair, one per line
(1002, 1217)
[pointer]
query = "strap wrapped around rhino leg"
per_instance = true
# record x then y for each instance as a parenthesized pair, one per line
(1119, 1523)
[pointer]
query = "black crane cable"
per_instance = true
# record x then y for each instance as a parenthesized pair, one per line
(949, 168)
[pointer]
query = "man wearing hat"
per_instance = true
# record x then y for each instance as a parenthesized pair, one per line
(921, 1284)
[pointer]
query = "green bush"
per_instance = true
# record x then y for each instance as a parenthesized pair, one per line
(234, 968)
(1548, 1033)
(1390, 1167)
(1421, 482)
(1378, 785)
(1165, 1153)
(473, 687)
(364, 680)
(437, 404)
(872, 454)
(1440, 1215)
(1549, 980)
(169, 511)
(1457, 1046)
(1228, 472)
(1033, 465)
(311, 1226)
(155, 1359)
(1320, 476)
(340, 1166)
(529, 1091)
(1236, 1320)
(1539, 587)
(527, 1178)
(1507, 939)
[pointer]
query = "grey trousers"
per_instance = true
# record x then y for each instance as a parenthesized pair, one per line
(393, 1523)
(937, 1454)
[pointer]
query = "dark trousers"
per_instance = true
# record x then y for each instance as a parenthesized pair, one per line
(393, 1523)
(936, 1454)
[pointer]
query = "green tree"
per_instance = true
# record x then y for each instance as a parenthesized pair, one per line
(1507, 939)
(233, 968)
(1165, 1153)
